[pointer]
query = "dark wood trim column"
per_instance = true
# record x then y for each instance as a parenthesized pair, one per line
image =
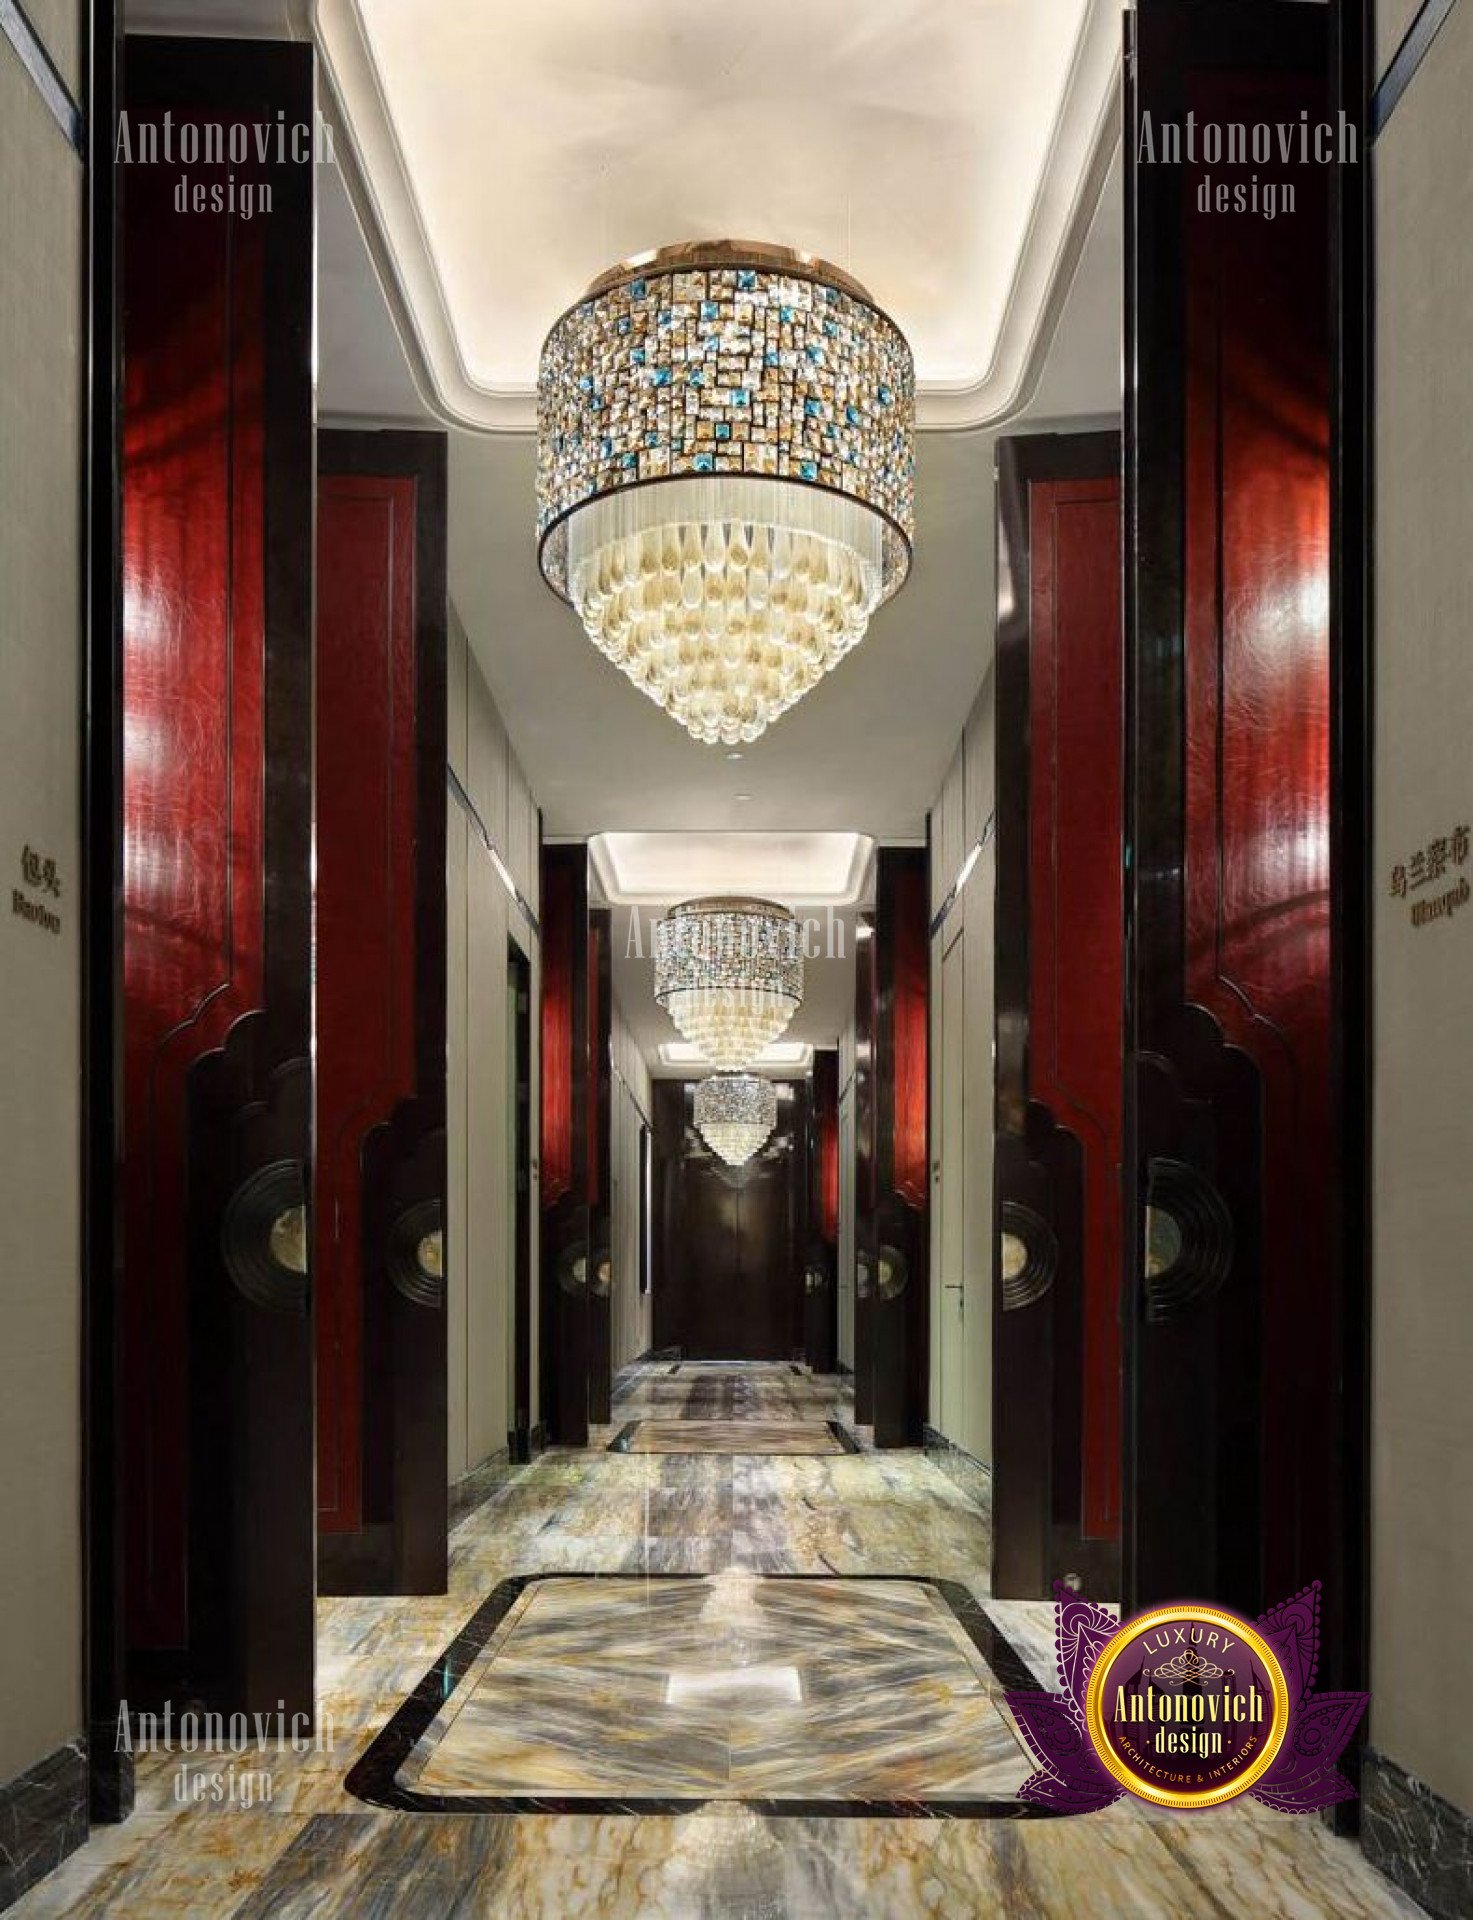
(1245, 931)
(216, 905)
(1059, 1032)
(566, 1133)
(379, 1163)
(900, 1294)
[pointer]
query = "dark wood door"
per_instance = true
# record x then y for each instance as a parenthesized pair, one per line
(379, 1166)
(217, 724)
(1060, 1035)
(728, 1276)
(1242, 1411)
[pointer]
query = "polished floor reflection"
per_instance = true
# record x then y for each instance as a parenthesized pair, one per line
(305, 1846)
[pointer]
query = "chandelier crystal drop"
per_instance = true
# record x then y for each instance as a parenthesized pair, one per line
(735, 1114)
(729, 972)
(725, 475)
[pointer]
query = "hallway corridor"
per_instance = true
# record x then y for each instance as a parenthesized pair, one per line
(617, 1746)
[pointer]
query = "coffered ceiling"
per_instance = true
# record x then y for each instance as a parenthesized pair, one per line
(948, 153)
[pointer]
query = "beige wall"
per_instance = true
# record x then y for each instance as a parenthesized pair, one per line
(41, 479)
(961, 1127)
(1422, 1343)
(629, 1111)
(483, 918)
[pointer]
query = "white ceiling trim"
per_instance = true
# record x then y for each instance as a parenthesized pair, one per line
(1084, 137)
(800, 869)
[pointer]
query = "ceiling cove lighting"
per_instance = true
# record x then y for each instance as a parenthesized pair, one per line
(729, 972)
(725, 475)
(784, 1056)
(735, 1114)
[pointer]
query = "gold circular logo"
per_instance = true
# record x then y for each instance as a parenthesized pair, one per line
(1187, 1706)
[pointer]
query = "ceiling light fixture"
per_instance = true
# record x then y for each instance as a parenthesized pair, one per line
(729, 972)
(735, 1114)
(725, 475)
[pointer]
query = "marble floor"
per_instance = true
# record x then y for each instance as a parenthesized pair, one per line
(597, 1539)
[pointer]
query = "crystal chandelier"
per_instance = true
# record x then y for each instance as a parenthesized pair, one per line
(725, 475)
(735, 1114)
(729, 972)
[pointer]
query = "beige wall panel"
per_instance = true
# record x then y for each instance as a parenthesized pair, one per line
(486, 756)
(40, 1199)
(486, 1067)
(1422, 1359)
(457, 696)
(456, 885)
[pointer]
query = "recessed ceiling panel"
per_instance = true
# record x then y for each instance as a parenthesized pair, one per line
(811, 869)
(940, 150)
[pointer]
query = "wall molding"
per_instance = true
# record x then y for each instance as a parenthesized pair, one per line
(483, 833)
(31, 51)
(1402, 67)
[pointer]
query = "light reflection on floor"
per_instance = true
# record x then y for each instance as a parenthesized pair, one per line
(313, 1850)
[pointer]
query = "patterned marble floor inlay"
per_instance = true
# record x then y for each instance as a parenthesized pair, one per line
(730, 1686)
(733, 1436)
(308, 1849)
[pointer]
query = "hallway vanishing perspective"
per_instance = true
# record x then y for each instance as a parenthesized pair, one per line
(714, 1667)
(734, 744)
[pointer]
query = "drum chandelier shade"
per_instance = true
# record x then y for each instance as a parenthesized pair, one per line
(725, 475)
(729, 972)
(735, 1114)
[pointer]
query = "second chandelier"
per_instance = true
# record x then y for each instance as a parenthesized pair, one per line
(729, 972)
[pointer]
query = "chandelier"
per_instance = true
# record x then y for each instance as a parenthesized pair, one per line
(725, 475)
(735, 1114)
(729, 972)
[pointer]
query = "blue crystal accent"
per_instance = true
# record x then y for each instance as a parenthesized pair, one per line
(651, 438)
(695, 378)
(808, 469)
(831, 328)
(746, 279)
(771, 358)
(663, 317)
(831, 294)
(852, 415)
(585, 383)
(623, 323)
(710, 310)
(638, 289)
(629, 460)
(636, 356)
(662, 377)
(813, 408)
(606, 447)
(886, 395)
(814, 352)
(723, 429)
(705, 463)
(740, 396)
(785, 313)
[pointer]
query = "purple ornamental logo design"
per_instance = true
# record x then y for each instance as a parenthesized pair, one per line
(1189, 1707)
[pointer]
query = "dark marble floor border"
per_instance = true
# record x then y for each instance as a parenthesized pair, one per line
(374, 1779)
(1419, 1841)
(43, 1818)
(623, 1442)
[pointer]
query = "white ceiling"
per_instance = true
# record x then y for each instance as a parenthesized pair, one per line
(946, 152)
